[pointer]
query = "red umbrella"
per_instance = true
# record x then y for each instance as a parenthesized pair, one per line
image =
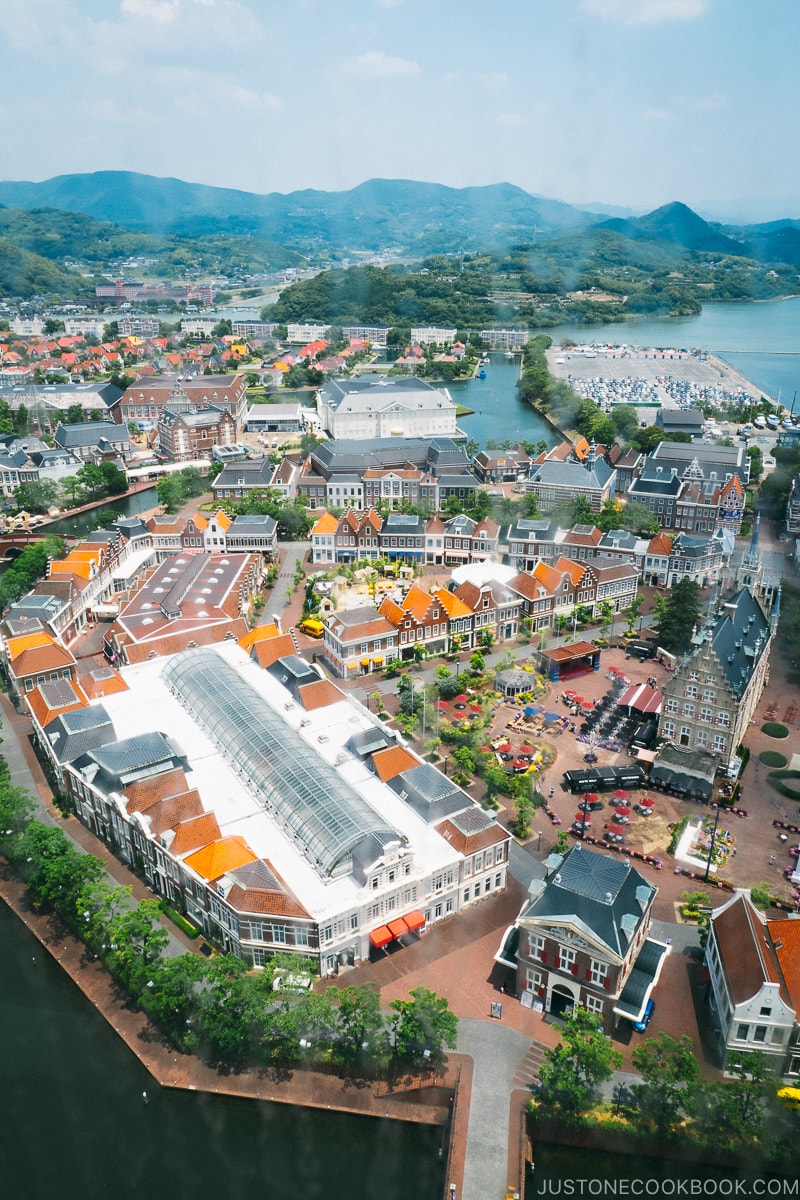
(524, 749)
(504, 747)
(591, 797)
(441, 705)
(646, 803)
(622, 810)
(620, 794)
(475, 708)
(617, 830)
(582, 818)
(462, 698)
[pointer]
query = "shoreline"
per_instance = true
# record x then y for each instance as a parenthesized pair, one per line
(417, 1100)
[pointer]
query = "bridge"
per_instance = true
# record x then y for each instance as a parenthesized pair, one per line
(12, 544)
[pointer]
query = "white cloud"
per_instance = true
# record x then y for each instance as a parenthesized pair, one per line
(657, 114)
(511, 120)
(646, 12)
(160, 11)
(255, 101)
(492, 79)
(377, 65)
(712, 103)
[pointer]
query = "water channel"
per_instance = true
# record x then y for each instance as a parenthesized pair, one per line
(75, 1125)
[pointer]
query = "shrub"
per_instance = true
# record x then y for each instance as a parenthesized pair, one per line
(771, 758)
(775, 729)
(179, 920)
(782, 781)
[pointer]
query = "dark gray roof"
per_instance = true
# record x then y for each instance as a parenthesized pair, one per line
(252, 522)
(656, 485)
(472, 820)
(430, 793)
(257, 876)
(619, 539)
(120, 763)
(572, 474)
(247, 473)
(396, 522)
(369, 741)
(79, 731)
(89, 433)
(679, 418)
(740, 638)
(293, 673)
(529, 530)
(639, 983)
(605, 896)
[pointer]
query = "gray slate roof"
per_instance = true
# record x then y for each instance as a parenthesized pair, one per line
(605, 896)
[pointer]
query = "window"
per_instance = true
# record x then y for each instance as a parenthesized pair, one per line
(705, 714)
(594, 1004)
(537, 948)
(669, 729)
(688, 710)
(760, 1034)
(301, 936)
(743, 1032)
(354, 920)
(765, 1012)
(466, 895)
(467, 868)
(719, 744)
(691, 691)
(534, 982)
(498, 854)
(598, 972)
(279, 933)
(479, 862)
(566, 958)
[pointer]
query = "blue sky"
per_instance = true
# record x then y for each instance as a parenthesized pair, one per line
(621, 102)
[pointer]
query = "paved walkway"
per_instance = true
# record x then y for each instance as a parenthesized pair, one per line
(503, 1063)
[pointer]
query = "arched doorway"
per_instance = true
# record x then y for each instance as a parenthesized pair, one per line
(561, 998)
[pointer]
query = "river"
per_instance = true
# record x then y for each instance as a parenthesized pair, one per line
(75, 1125)
(760, 341)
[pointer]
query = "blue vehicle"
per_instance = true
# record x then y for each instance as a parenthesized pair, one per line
(650, 1008)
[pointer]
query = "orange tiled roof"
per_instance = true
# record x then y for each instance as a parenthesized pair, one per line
(259, 633)
(44, 713)
(169, 813)
(417, 602)
(103, 682)
(393, 761)
(70, 566)
(269, 650)
(547, 576)
(143, 793)
(785, 937)
(195, 833)
(452, 605)
(660, 544)
(221, 517)
(226, 854)
(326, 524)
(319, 695)
(567, 567)
(468, 843)
(28, 641)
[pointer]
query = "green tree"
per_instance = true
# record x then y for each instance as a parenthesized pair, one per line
(573, 1070)
(37, 496)
(360, 1033)
(606, 611)
(423, 1026)
(138, 941)
(669, 1073)
(171, 492)
(70, 487)
(678, 616)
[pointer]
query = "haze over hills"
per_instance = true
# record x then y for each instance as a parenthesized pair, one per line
(413, 217)
(409, 217)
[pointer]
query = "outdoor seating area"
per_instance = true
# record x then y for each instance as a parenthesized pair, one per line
(618, 827)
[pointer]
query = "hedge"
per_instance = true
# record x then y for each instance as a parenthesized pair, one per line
(771, 758)
(775, 729)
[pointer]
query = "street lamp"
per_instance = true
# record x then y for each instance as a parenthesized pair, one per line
(711, 847)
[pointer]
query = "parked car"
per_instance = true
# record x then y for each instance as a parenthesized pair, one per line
(650, 1008)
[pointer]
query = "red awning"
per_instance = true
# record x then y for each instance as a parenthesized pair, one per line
(380, 937)
(414, 920)
(397, 927)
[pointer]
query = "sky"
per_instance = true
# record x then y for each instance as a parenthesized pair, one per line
(629, 103)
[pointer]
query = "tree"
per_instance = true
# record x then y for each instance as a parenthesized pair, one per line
(360, 1032)
(171, 492)
(572, 1071)
(424, 1025)
(92, 479)
(606, 611)
(632, 614)
(74, 415)
(138, 941)
(36, 497)
(669, 1072)
(115, 481)
(678, 616)
(71, 486)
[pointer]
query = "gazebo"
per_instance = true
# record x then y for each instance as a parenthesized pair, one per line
(577, 658)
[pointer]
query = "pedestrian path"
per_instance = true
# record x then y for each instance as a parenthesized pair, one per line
(503, 1061)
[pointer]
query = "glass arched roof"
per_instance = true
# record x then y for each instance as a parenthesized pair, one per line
(288, 777)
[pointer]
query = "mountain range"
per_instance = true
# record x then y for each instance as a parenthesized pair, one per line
(407, 218)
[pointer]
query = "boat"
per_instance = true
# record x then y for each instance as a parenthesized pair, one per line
(788, 423)
(760, 422)
(481, 374)
(773, 421)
